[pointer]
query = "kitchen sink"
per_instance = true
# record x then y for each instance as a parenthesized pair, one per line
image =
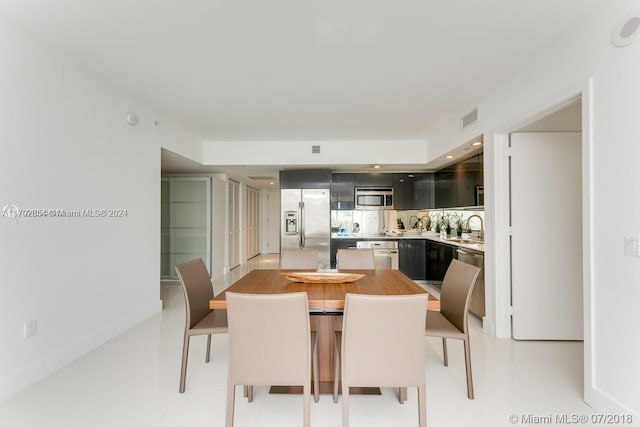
(457, 240)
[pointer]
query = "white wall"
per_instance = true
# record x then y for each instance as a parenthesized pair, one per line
(612, 150)
(299, 152)
(64, 144)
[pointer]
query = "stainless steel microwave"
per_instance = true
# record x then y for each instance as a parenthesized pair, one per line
(374, 198)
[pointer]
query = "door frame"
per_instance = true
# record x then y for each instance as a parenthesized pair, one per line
(498, 269)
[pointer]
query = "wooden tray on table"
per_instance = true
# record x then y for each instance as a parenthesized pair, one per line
(319, 277)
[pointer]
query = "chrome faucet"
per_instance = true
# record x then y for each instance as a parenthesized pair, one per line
(481, 234)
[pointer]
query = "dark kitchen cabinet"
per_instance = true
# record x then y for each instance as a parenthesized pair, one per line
(445, 197)
(458, 185)
(374, 180)
(403, 191)
(340, 244)
(342, 191)
(305, 178)
(439, 257)
(424, 191)
(413, 191)
(412, 258)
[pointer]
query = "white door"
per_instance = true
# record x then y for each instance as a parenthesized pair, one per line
(546, 241)
(234, 224)
(252, 222)
(272, 244)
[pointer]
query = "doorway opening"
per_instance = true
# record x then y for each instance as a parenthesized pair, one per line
(545, 220)
(576, 103)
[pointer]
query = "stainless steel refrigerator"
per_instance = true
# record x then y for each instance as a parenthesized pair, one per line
(306, 221)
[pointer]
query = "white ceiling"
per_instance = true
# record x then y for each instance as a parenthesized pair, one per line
(304, 70)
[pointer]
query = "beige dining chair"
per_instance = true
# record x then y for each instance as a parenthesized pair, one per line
(355, 259)
(381, 345)
(451, 321)
(299, 259)
(198, 290)
(270, 343)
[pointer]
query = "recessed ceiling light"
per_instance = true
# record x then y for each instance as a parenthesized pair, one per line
(402, 180)
(477, 143)
(410, 176)
(377, 166)
(271, 183)
(449, 157)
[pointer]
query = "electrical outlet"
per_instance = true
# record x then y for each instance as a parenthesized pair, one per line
(30, 328)
(632, 246)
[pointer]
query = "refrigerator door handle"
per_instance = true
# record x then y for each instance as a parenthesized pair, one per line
(301, 235)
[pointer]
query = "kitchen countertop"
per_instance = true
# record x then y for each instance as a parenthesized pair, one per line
(477, 246)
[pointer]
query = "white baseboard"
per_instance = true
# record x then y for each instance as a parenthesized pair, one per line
(488, 326)
(602, 402)
(20, 380)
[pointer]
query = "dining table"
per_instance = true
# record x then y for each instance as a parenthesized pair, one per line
(326, 302)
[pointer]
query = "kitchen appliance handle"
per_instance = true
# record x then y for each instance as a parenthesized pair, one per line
(301, 236)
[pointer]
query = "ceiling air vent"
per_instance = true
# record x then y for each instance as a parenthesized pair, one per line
(469, 118)
(315, 149)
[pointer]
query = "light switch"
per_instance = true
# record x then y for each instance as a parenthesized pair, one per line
(632, 246)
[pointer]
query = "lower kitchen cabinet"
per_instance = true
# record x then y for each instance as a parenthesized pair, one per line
(439, 257)
(412, 258)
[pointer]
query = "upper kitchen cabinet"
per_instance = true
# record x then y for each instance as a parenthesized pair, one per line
(305, 178)
(374, 180)
(403, 191)
(461, 184)
(342, 191)
(413, 191)
(425, 191)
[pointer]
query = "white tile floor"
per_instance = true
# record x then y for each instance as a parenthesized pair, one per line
(133, 381)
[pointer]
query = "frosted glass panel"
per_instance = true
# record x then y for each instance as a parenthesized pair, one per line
(185, 222)
(165, 266)
(189, 190)
(190, 241)
(164, 215)
(164, 242)
(189, 215)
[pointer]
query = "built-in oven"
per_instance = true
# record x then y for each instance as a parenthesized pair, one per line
(385, 252)
(374, 198)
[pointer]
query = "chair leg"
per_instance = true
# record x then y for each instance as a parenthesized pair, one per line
(185, 357)
(314, 365)
(306, 391)
(208, 358)
(336, 370)
(402, 394)
(422, 406)
(467, 361)
(444, 352)
(345, 405)
(231, 397)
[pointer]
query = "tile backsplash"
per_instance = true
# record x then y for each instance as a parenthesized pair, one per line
(375, 222)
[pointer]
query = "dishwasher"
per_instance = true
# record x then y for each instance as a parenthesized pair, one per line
(385, 252)
(476, 306)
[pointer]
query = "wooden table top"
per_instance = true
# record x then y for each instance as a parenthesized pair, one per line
(326, 297)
